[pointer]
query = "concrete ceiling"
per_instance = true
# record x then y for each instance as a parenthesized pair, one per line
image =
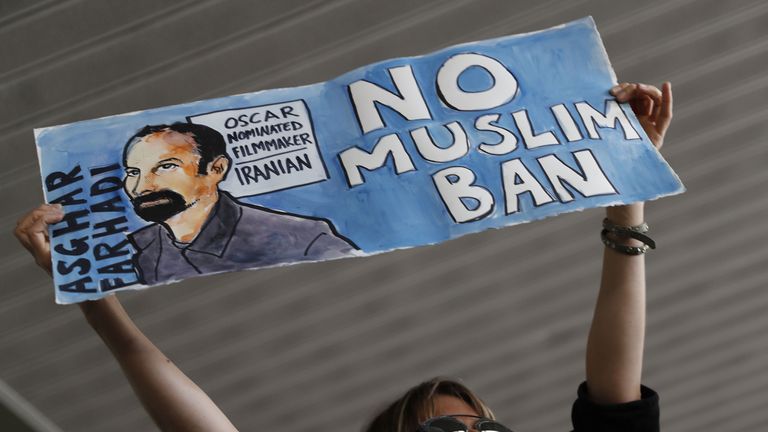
(321, 346)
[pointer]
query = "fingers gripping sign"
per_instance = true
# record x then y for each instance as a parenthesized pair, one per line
(32, 232)
(653, 107)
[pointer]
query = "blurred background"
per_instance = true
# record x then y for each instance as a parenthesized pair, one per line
(323, 346)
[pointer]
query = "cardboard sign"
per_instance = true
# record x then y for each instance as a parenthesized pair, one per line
(401, 153)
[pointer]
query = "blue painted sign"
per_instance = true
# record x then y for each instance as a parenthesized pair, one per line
(401, 153)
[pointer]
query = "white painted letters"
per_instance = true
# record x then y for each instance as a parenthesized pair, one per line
(502, 91)
(410, 103)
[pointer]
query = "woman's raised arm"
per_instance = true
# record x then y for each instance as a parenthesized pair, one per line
(617, 336)
(173, 401)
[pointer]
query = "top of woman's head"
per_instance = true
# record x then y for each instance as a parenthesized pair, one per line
(419, 403)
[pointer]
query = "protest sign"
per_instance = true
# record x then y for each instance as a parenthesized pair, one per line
(401, 153)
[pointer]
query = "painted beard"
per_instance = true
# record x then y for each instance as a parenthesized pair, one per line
(159, 206)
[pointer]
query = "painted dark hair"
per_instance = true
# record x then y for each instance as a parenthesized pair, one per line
(209, 143)
(417, 404)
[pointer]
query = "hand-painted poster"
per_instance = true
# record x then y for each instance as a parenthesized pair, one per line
(402, 153)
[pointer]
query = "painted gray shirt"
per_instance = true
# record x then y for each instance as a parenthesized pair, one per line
(236, 236)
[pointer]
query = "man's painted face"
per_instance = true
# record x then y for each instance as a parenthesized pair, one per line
(162, 177)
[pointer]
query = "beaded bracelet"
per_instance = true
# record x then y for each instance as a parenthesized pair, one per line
(636, 232)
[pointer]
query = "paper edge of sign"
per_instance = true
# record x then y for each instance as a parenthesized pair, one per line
(37, 132)
(614, 78)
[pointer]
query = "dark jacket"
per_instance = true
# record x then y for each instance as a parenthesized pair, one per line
(636, 416)
(235, 236)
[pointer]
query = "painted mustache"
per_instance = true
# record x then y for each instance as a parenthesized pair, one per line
(159, 206)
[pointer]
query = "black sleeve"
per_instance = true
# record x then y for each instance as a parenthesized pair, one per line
(636, 416)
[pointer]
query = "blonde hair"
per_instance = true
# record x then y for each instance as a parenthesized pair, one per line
(417, 404)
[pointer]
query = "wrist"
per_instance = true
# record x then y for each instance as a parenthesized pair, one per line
(626, 215)
(625, 230)
(95, 310)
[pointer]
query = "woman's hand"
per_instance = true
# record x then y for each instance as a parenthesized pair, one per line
(32, 232)
(653, 107)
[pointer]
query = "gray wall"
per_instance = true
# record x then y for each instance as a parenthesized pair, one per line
(326, 344)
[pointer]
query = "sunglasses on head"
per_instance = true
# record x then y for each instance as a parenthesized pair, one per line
(451, 423)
